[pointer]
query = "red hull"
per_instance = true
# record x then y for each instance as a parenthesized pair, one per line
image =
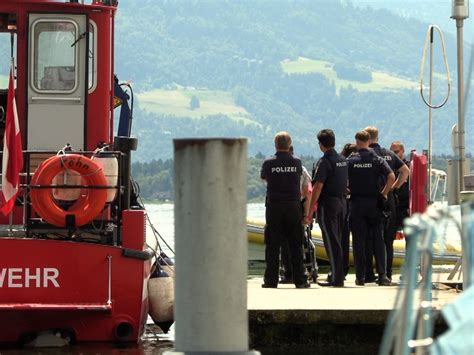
(47, 284)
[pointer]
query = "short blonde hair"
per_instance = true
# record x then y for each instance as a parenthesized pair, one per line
(373, 133)
(282, 141)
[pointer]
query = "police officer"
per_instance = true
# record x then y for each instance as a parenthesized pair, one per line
(366, 170)
(284, 212)
(330, 190)
(305, 182)
(402, 194)
(347, 151)
(402, 171)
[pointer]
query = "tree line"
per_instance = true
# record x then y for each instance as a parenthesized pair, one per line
(155, 178)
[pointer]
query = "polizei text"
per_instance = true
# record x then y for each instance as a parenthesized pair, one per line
(284, 169)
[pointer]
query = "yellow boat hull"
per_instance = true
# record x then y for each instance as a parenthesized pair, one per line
(256, 246)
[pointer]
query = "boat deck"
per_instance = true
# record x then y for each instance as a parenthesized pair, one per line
(352, 315)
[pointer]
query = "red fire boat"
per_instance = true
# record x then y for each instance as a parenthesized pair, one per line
(73, 256)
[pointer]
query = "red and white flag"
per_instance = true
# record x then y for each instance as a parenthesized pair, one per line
(12, 162)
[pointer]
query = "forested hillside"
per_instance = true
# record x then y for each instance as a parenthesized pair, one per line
(253, 68)
(434, 13)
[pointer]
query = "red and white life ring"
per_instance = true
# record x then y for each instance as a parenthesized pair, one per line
(90, 202)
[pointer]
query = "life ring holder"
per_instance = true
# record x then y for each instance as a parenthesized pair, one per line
(90, 203)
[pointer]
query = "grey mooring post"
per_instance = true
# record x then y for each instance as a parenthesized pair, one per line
(210, 202)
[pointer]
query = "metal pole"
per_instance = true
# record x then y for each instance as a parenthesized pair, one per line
(10, 221)
(429, 39)
(460, 12)
(430, 118)
(211, 246)
(408, 315)
(125, 145)
(462, 158)
(12, 48)
(467, 237)
(424, 319)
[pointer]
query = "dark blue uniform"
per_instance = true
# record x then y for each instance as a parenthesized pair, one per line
(332, 171)
(390, 222)
(284, 214)
(366, 173)
(403, 203)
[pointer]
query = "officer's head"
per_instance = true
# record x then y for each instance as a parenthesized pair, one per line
(282, 141)
(362, 139)
(326, 139)
(348, 149)
(373, 133)
(398, 148)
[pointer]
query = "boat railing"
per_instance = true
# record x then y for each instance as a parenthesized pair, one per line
(22, 221)
(438, 186)
(410, 326)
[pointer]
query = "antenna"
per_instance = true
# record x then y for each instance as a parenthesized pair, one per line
(431, 106)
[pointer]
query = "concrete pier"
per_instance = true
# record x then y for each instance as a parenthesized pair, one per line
(352, 316)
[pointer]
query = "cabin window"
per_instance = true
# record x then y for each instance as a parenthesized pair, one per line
(5, 65)
(54, 55)
(7, 47)
(92, 56)
(5, 60)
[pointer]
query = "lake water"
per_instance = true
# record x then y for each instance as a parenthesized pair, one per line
(162, 217)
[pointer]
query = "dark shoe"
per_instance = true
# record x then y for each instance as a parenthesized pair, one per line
(359, 282)
(327, 284)
(384, 281)
(269, 286)
(305, 285)
(370, 279)
(286, 281)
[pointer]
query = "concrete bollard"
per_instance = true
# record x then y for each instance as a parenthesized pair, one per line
(210, 179)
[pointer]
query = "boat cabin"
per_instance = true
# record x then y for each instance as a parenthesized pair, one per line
(62, 53)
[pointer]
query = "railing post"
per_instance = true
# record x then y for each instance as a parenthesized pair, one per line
(211, 246)
(467, 237)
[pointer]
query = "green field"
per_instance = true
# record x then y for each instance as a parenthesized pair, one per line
(177, 103)
(380, 81)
